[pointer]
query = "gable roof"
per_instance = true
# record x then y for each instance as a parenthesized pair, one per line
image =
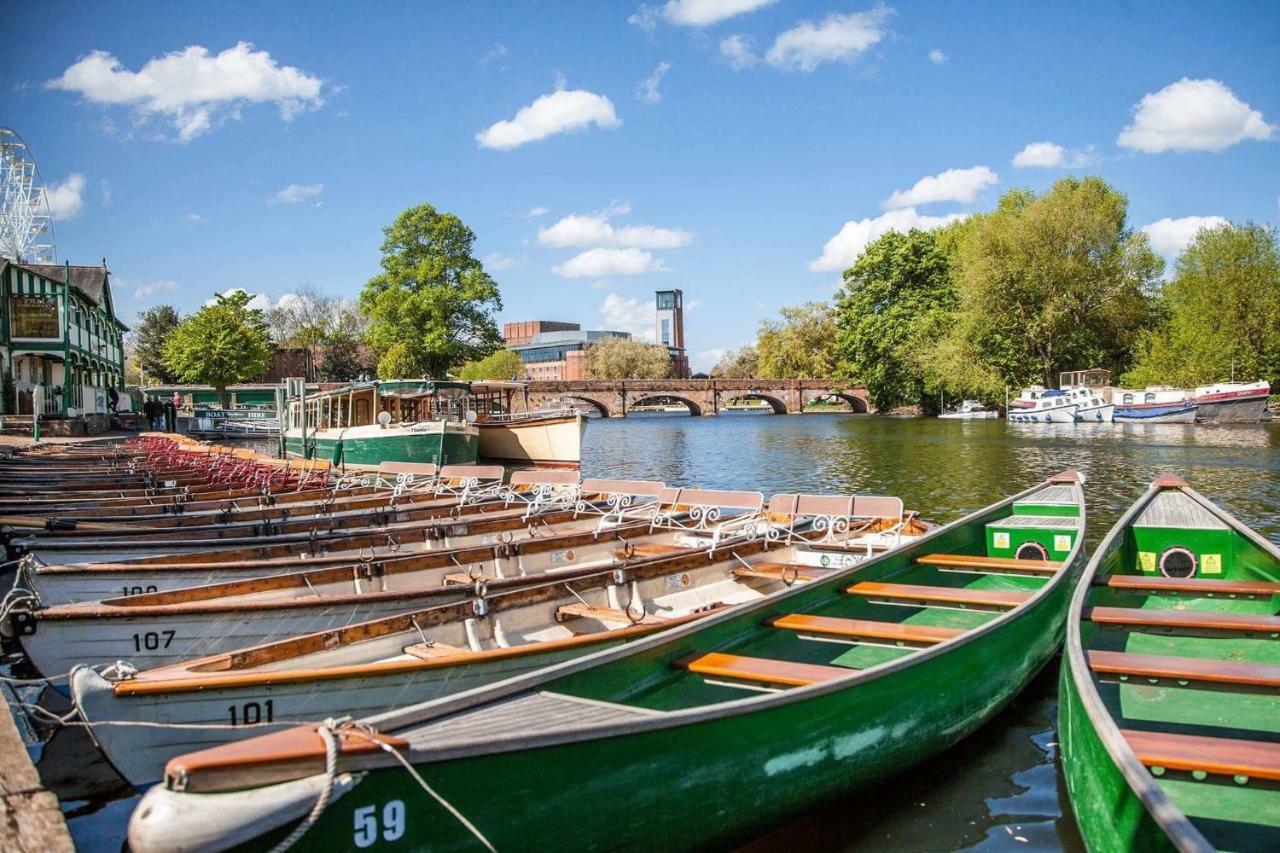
(93, 282)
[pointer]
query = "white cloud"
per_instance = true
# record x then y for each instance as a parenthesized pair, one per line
(738, 51)
(563, 111)
(260, 301)
(65, 199)
(843, 249)
(496, 262)
(937, 57)
(594, 229)
(1048, 155)
(195, 217)
(838, 38)
(962, 185)
(193, 88)
(1192, 115)
(295, 193)
(151, 288)
(694, 13)
(595, 263)
(498, 52)
(1170, 236)
(621, 314)
(647, 92)
(535, 212)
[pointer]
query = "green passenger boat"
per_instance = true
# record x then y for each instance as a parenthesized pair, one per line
(360, 426)
(699, 736)
(1169, 712)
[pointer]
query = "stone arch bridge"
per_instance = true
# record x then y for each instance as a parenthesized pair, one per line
(614, 399)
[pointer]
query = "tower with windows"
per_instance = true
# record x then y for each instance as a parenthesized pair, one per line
(670, 329)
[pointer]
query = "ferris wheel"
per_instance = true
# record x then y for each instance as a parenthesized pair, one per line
(26, 229)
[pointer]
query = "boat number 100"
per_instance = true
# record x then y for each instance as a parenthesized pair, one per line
(367, 828)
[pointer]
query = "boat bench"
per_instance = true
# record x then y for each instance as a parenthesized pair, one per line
(1136, 617)
(778, 571)
(992, 565)
(1218, 755)
(601, 614)
(760, 670)
(945, 595)
(1194, 586)
(865, 629)
(1182, 669)
(434, 651)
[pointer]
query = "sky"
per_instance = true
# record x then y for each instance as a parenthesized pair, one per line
(743, 151)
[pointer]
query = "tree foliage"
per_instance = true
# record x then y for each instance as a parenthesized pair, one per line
(150, 333)
(897, 302)
(741, 363)
(433, 304)
(503, 364)
(1051, 283)
(799, 344)
(398, 362)
(1222, 312)
(303, 318)
(223, 343)
(627, 358)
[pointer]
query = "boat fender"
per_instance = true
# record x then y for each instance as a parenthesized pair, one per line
(59, 524)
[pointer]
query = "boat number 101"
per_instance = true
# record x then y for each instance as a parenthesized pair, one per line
(368, 830)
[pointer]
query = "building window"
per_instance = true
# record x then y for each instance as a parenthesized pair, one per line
(666, 299)
(34, 316)
(666, 331)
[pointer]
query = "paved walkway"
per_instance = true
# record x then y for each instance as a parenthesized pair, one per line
(104, 438)
(30, 820)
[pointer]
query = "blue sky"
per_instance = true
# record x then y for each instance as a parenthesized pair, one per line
(264, 145)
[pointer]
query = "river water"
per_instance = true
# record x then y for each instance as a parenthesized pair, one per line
(998, 790)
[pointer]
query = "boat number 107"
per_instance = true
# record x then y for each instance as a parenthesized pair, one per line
(368, 830)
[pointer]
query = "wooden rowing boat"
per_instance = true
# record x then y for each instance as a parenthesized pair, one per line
(1168, 716)
(701, 735)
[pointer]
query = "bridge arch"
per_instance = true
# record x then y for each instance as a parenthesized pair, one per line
(598, 407)
(778, 407)
(857, 404)
(659, 399)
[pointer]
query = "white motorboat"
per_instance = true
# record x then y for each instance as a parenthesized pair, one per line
(1038, 405)
(971, 410)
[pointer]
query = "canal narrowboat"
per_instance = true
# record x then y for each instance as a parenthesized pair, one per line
(1232, 402)
(698, 736)
(1169, 717)
(358, 426)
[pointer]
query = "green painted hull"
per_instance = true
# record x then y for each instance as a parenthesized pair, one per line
(714, 773)
(448, 448)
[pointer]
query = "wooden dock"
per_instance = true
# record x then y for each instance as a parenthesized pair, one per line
(30, 819)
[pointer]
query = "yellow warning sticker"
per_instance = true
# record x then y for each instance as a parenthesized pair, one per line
(1211, 564)
(1147, 561)
(1001, 539)
(1062, 543)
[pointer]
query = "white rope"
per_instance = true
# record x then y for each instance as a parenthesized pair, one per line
(322, 802)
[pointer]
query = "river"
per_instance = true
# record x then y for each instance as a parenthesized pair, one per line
(998, 790)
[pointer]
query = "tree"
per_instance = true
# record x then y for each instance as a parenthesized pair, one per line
(800, 344)
(627, 358)
(223, 343)
(741, 363)
(897, 302)
(1051, 283)
(148, 339)
(1222, 312)
(303, 318)
(343, 355)
(398, 363)
(503, 364)
(433, 299)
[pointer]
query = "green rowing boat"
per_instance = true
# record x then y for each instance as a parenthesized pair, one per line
(701, 735)
(1169, 713)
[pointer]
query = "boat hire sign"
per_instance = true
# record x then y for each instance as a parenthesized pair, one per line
(35, 316)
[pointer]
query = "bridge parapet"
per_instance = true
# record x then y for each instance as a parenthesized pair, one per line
(615, 398)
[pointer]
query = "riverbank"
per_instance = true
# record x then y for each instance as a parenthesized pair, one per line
(30, 818)
(26, 441)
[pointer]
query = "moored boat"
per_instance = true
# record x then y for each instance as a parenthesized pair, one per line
(1169, 413)
(1035, 405)
(710, 731)
(970, 410)
(1168, 701)
(549, 436)
(1232, 402)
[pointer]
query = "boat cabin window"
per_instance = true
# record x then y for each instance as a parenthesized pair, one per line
(1127, 398)
(1149, 397)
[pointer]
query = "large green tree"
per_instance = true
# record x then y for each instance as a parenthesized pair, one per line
(150, 333)
(223, 343)
(433, 302)
(1053, 282)
(627, 358)
(799, 344)
(503, 364)
(898, 300)
(741, 363)
(1223, 312)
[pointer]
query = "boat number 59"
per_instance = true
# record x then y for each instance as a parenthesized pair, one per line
(366, 823)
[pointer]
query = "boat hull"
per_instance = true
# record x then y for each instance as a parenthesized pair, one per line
(1246, 410)
(1183, 413)
(1060, 415)
(1095, 414)
(366, 447)
(556, 440)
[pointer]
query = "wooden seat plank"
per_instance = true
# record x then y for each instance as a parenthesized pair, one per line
(433, 650)
(865, 629)
(775, 571)
(939, 594)
(458, 578)
(1220, 755)
(603, 614)
(966, 561)
(760, 670)
(1185, 669)
(1136, 617)
(1197, 586)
